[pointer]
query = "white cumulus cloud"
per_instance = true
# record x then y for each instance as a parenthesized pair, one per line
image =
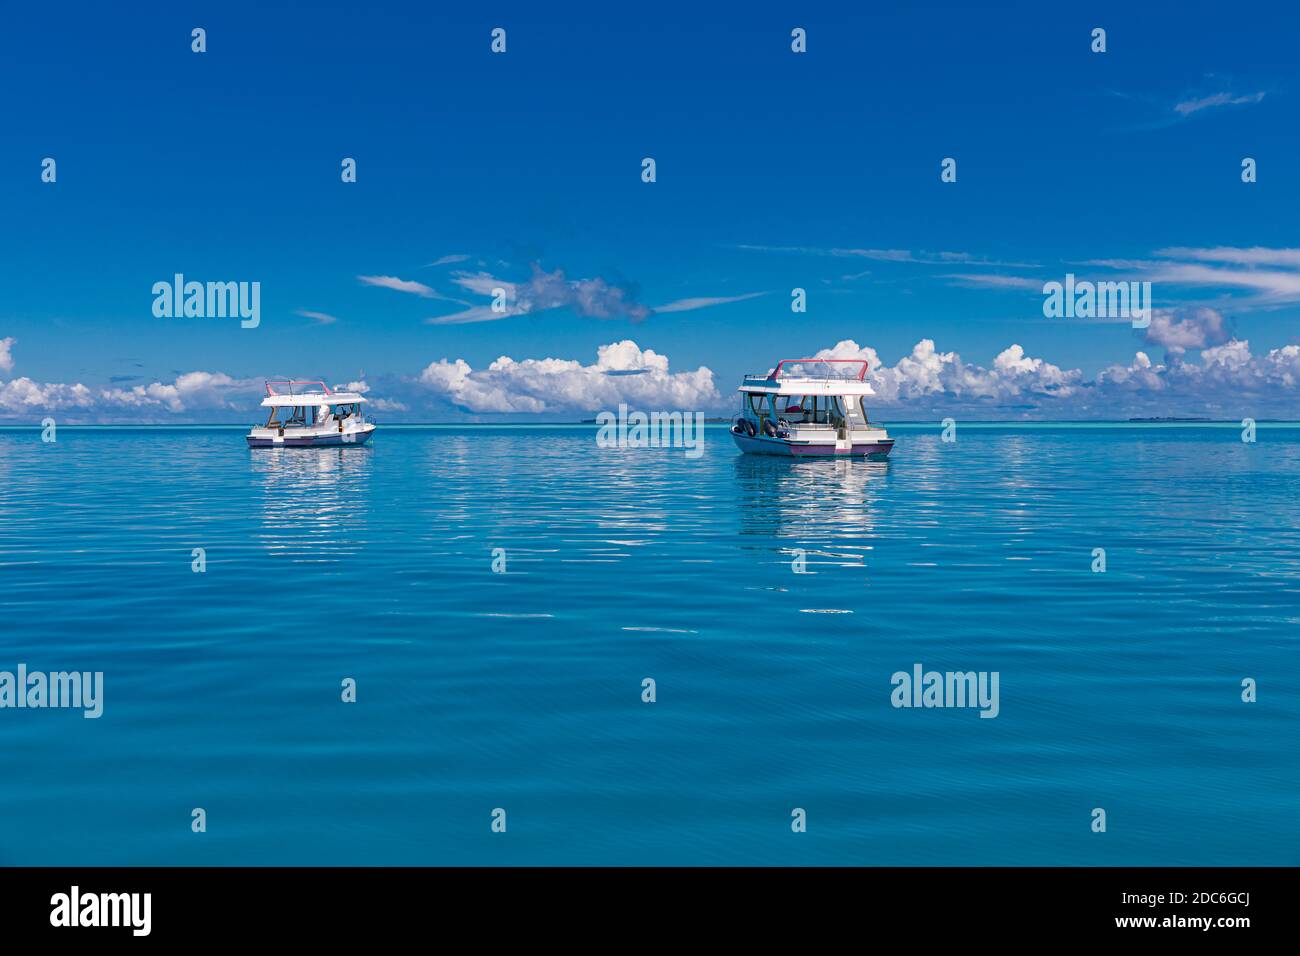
(928, 374)
(1228, 381)
(192, 392)
(1183, 329)
(622, 372)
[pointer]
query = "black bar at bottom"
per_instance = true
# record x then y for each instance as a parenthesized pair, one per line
(336, 905)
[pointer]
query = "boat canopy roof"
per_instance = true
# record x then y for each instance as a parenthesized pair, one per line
(811, 377)
(291, 394)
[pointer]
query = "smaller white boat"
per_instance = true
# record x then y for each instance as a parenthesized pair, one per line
(310, 414)
(811, 411)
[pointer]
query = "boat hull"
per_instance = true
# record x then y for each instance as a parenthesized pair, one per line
(763, 445)
(331, 440)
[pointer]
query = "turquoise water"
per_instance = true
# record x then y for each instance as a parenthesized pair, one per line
(522, 690)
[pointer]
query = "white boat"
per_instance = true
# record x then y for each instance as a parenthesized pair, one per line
(811, 411)
(310, 414)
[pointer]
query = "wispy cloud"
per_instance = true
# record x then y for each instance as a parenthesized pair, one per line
(703, 302)
(324, 318)
(595, 298)
(995, 281)
(1163, 110)
(408, 286)
(1252, 256)
(1188, 107)
(476, 313)
(446, 261)
(917, 257)
(481, 283)
(1254, 277)
(6, 355)
(1272, 286)
(1223, 267)
(399, 285)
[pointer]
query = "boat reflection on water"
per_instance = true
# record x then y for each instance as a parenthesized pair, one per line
(315, 503)
(816, 500)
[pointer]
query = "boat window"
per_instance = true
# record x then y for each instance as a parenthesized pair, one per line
(824, 410)
(758, 403)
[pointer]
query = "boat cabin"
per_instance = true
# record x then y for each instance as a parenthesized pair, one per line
(318, 412)
(311, 413)
(809, 407)
(807, 395)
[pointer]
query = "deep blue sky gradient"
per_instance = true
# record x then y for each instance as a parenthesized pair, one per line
(225, 166)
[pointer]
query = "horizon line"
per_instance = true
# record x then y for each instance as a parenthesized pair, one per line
(1160, 420)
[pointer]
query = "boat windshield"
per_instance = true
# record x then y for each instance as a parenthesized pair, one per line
(300, 416)
(287, 415)
(812, 409)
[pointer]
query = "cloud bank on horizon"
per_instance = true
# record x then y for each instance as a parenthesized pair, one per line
(1228, 381)
(1225, 379)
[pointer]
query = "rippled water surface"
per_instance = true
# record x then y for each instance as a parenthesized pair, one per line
(522, 690)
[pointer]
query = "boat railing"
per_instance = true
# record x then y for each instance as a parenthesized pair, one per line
(270, 388)
(825, 365)
(828, 370)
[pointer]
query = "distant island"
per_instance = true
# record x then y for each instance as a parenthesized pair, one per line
(1171, 419)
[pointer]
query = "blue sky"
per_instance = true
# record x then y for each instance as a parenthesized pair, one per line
(775, 170)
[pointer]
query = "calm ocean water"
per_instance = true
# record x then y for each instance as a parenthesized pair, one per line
(522, 690)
